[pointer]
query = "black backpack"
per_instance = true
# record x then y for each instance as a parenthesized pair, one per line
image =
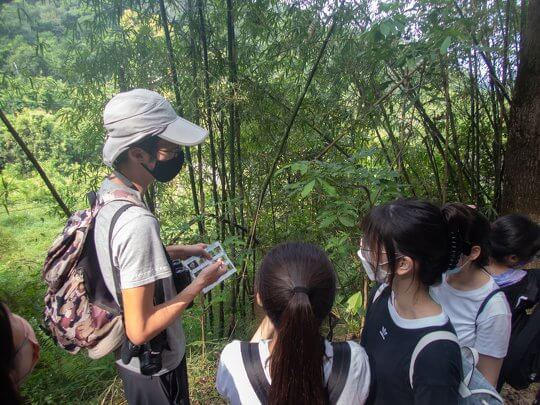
(521, 367)
(336, 382)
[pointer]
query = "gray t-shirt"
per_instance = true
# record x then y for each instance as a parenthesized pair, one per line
(138, 253)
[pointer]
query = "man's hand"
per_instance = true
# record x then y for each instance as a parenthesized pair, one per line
(182, 252)
(210, 274)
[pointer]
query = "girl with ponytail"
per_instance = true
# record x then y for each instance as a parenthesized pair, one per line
(406, 248)
(296, 286)
(469, 295)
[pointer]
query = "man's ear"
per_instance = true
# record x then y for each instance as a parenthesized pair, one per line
(405, 265)
(475, 253)
(139, 155)
(258, 299)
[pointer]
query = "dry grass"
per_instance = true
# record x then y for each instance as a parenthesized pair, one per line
(523, 397)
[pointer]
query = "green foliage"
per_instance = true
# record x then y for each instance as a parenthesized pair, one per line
(401, 85)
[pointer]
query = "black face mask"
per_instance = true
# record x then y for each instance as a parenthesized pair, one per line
(166, 170)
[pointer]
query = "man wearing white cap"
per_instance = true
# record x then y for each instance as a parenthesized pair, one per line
(144, 139)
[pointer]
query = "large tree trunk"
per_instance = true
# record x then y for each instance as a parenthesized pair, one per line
(522, 175)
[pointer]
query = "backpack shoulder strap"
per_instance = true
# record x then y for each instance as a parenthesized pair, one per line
(486, 301)
(426, 340)
(254, 370)
(91, 196)
(533, 285)
(377, 292)
(115, 270)
(341, 363)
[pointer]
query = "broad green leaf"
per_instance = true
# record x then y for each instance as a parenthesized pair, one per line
(354, 303)
(328, 188)
(385, 27)
(327, 221)
(444, 46)
(308, 188)
(347, 221)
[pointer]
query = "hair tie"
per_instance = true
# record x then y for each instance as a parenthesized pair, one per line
(300, 290)
(455, 249)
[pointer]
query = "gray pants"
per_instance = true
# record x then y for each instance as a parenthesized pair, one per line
(169, 388)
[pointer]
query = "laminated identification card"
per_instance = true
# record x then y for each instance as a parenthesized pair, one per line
(195, 264)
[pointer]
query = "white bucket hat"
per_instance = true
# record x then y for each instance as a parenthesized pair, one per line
(134, 115)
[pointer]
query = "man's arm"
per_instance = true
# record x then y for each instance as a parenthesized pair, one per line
(144, 320)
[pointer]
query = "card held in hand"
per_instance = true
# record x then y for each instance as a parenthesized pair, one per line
(195, 264)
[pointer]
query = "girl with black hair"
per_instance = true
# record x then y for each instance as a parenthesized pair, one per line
(514, 241)
(405, 247)
(469, 295)
(19, 351)
(296, 286)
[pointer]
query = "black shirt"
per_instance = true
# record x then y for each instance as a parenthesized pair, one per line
(524, 294)
(437, 371)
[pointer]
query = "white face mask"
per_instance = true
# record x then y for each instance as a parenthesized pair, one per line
(374, 274)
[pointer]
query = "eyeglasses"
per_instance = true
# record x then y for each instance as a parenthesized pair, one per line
(364, 249)
(171, 153)
(363, 257)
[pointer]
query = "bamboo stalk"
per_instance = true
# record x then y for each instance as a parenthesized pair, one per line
(35, 163)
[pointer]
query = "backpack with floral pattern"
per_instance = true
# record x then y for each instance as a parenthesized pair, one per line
(80, 312)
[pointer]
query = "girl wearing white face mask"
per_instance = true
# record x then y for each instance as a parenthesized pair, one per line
(19, 351)
(406, 247)
(470, 296)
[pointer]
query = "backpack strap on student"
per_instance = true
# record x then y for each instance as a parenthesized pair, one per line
(91, 196)
(257, 378)
(341, 363)
(426, 340)
(473, 383)
(115, 270)
(254, 370)
(485, 302)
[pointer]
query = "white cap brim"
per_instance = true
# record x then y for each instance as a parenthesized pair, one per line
(185, 133)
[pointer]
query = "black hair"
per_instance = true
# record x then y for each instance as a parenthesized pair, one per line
(514, 234)
(297, 287)
(413, 228)
(149, 145)
(471, 228)
(8, 390)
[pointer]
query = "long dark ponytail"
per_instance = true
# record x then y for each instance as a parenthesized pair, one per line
(297, 286)
(471, 229)
(8, 391)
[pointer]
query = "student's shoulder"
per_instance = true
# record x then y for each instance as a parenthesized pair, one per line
(232, 352)
(134, 211)
(439, 359)
(497, 304)
(356, 389)
(356, 349)
(359, 357)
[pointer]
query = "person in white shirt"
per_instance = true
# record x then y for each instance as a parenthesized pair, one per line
(296, 286)
(480, 315)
